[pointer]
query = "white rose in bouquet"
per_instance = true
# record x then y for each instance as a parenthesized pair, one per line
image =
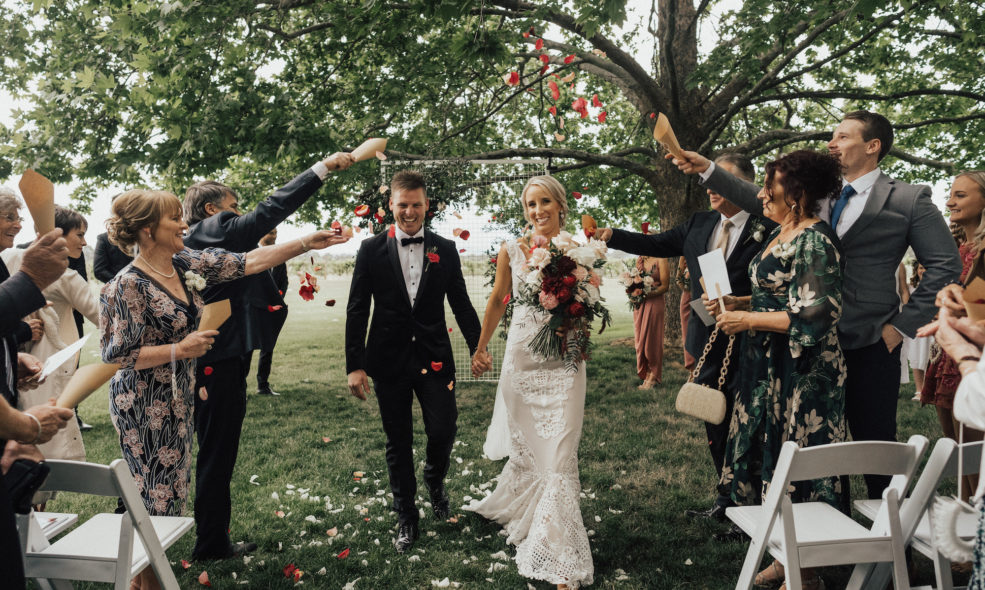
(582, 255)
(592, 295)
(539, 258)
(600, 247)
(648, 281)
(534, 278)
(626, 279)
(580, 273)
(564, 241)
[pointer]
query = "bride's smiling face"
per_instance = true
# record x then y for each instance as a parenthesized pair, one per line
(542, 211)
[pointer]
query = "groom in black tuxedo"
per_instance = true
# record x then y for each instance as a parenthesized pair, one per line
(407, 272)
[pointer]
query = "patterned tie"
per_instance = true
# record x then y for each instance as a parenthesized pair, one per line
(722, 243)
(846, 193)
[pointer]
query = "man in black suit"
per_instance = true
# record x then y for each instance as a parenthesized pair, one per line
(741, 235)
(107, 259)
(406, 274)
(211, 210)
(279, 275)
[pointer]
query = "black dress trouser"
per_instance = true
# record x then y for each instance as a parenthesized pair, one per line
(218, 423)
(440, 413)
(11, 564)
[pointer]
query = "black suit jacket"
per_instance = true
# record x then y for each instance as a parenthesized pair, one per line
(107, 260)
(690, 240)
(18, 297)
(251, 326)
(279, 275)
(404, 339)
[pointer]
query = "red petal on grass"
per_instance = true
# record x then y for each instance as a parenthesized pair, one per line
(362, 210)
(273, 308)
(330, 303)
(569, 59)
(553, 111)
(579, 104)
(332, 531)
(645, 226)
(185, 564)
(464, 235)
(344, 554)
(207, 371)
(436, 365)
(326, 439)
(203, 579)
(507, 298)
(576, 194)
(539, 44)
(299, 573)
(555, 92)
(602, 116)
(279, 514)
(595, 101)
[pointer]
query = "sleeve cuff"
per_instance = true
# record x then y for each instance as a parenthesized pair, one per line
(704, 176)
(320, 169)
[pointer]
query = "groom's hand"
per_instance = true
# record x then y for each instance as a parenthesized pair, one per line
(359, 384)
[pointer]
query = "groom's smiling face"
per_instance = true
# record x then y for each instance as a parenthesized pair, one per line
(409, 209)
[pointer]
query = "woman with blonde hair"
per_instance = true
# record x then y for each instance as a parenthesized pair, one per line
(149, 316)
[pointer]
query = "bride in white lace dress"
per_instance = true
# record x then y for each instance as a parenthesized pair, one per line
(540, 406)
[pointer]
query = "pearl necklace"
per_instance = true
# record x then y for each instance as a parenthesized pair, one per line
(151, 266)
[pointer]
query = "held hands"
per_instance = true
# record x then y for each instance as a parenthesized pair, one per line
(952, 298)
(603, 233)
(15, 450)
(52, 419)
(358, 384)
(196, 344)
(694, 164)
(339, 161)
(37, 328)
(959, 337)
(481, 362)
(733, 322)
(323, 239)
(46, 259)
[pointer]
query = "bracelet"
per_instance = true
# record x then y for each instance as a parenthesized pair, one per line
(37, 438)
(303, 245)
(970, 357)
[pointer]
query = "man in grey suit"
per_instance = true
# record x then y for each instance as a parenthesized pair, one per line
(877, 218)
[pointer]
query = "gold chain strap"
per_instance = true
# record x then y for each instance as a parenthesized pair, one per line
(725, 361)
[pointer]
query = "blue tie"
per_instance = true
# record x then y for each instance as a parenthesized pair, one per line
(846, 193)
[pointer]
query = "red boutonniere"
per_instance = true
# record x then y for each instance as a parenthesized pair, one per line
(432, 256)
(392, 232)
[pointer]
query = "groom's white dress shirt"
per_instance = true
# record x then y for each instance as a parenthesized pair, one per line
(411, 262)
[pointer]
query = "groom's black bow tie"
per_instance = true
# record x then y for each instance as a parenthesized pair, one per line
(408, 241)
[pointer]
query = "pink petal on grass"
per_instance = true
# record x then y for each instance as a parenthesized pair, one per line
(203, 579)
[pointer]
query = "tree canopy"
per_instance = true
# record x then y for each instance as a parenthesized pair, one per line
(254, 90)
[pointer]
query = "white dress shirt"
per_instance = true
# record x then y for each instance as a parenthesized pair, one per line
(320, 169)
(411, 262)
(738, 224)
(856, 203)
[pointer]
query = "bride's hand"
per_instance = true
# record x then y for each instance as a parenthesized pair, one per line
(481, 362)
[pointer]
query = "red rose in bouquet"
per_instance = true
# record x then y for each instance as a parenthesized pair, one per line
(576, 309)
(569, 281)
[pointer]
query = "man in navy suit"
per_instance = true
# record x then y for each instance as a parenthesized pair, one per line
(741, 236)
(211, 210)
(406, 274)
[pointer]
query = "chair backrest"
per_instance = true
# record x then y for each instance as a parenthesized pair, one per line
(856, 458)
(970, 454)
(942, 459)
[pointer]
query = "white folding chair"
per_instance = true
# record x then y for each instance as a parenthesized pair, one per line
(814, 534)
(923, 539)
(108, 547)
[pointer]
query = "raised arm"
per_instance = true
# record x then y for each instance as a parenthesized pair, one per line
(740, 192)
(662, 245)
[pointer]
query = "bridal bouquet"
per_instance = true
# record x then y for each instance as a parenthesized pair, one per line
(638, 286)
(561, 279)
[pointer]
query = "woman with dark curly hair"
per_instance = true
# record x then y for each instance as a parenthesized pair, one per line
(792, 367)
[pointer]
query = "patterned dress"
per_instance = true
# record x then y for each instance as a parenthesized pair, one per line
(154, 420)
(792, 384)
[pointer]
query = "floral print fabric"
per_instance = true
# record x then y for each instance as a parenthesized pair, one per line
(792, 384)
(154, 422)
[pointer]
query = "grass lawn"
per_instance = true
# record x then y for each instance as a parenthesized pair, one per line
(642, 464)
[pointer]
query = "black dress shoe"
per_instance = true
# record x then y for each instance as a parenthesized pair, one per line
(732, 535)
(716, 512)
(439, 502)
(235, 550)
(407, 533)
(266, 391)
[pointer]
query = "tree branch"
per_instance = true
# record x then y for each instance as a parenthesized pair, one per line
(912, 159)
(295, 34)
(937, 120)
(859, 94)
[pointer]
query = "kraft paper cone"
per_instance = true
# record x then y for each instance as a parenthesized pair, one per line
(589, 226)
(663, 133)
(369, 148)
(39, 195)
(214, 315)
(84, 382)
(974, 299)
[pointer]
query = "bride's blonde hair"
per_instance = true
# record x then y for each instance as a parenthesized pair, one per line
(552, 187)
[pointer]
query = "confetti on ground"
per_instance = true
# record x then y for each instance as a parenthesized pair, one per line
(343, 554)
(326, 439)
(185, 564)
(688, 562)
(203, 579)
(332, 531)
(254, 478)
(279, 513)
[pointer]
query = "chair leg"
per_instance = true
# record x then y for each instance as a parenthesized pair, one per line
(901, 577)
(942, 573)
(794, 580)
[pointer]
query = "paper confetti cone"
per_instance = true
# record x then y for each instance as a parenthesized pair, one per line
(369, 148)
(85, 381)
(39, 195)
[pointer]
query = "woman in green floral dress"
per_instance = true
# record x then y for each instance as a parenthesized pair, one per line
(792, 368)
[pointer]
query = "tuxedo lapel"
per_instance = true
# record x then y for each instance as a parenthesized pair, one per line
(429, 242)
(876, 201)
(398, 273)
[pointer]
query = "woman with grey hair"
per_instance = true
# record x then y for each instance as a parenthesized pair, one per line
(537, 421)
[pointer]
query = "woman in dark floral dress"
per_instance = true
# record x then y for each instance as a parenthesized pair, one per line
(792, 367)
(149, 315)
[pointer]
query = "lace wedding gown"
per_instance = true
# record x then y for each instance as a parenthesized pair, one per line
(537, 495)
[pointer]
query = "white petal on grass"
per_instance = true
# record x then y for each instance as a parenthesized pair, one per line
(500, 555)
(688, 561)
(254, 478)
(445, 583)
(414, 558)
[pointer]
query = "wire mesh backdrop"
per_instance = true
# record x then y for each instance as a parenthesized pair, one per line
(468, 186)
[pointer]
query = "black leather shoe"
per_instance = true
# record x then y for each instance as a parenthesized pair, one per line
(235, 550)
(716, 512)
(440, 502)
(266, 391)
(732, 535)
(407, 533)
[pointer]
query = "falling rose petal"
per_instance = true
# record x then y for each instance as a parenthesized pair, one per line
(569, 78)
(436, 365)
(279, 513)
(451, 385)
(595, 101)
(464, 235)
(526, 34)
(330, 303)
(326, 439)
(602, 116)
(362, 210)
(507, 298)
(512, 78)
(332, 531)
(461, 250)
(456, 214)
(378, 218)
(344, 554)
(543, 70)
(317, 268)
(553, 111)
(569, 59)
(560, 123)
(307, 292)
(645, 227)
(449, 330)
(337, 228)
(455, 232)
(653, 115)
(424, 371)
(384, 188)
(580, 105)
(203, 394)
(558, 137)
(185, 564)
(208, 371)
(273, 308)
(453, 520)
(203, 579)
(576, 194)
(380, 156)
(539, 44)
(555, 91)
(598, 52)
(544, 58)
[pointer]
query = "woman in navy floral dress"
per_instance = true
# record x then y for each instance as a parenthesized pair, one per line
(149, 315)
